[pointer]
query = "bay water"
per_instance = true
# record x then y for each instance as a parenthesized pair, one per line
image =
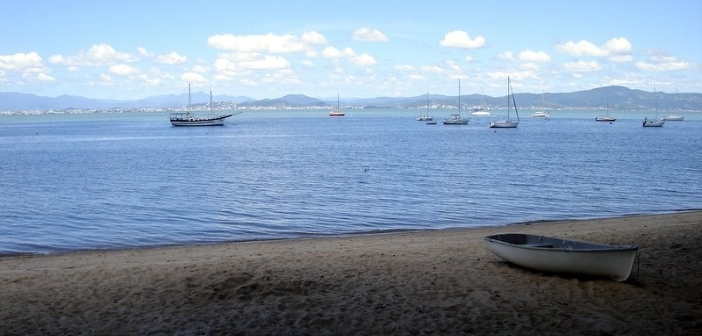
(124, 180)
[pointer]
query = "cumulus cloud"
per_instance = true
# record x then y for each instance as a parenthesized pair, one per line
(192, 77)
(534, 56)
(368, 34)
(199, 69)
(506, 56)
(314, 37)
(460, 39)
(96, 55)
(276, 44)
(42, 77)
(143, 52)
(331, 52)
(582, 66)
(363, 60)
(613, 47)
(663, 63)
(172, 58)
(20, 61)
(122, 69)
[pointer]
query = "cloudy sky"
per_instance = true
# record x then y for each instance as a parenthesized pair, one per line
(133, 49)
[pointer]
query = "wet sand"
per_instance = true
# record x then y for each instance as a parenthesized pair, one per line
(410, 283)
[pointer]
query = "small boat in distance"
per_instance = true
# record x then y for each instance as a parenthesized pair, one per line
(478, 110)
(654, 122)
(426, 116)
(557, 255)
(189, 119)
(607, 117)
(542, 114)
(673, 117)
(455, 119)
(337, 112)
(508, 123)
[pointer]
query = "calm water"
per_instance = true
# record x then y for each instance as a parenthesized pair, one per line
(72, 182)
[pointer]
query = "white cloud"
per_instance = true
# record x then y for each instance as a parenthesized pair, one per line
(618, 46)
(277, 44)
(172, 58)
(507, 56)
(45, 78)
(582, 66)
(331, 52)
(368, 34)
(96, 55)
(122, 69)
(534, 56)
(314, 37)
(199, 69)
(580, 48)
(670, 65)
(192, 77)
(20, 61)
(363, 60)
(144, 53)
(460, 39)
(613, 47)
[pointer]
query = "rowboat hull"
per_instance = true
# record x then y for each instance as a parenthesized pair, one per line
(564, 256)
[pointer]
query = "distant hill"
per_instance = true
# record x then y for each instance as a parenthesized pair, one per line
(614, 97)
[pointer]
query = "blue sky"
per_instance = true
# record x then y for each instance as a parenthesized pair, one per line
(266, 49)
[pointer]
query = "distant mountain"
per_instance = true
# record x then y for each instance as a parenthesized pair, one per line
(297, 100)
(614, 97)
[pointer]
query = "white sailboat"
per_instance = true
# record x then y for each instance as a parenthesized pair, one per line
(337, 112)
(654, 122)
(426, 116)
(542, 114)
(455, 119)
(673, 117)
(478, 110)
(508, 123)
(189, 119)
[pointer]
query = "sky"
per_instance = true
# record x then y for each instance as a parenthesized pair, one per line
(131, 49)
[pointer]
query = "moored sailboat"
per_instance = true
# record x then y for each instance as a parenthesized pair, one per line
(337, 112)
(189, 119)
(426, 116)
(654, 122)
(508, 123)
(606, 117)
(455, 119)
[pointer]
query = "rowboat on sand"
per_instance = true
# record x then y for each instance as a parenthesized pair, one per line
(564, 256)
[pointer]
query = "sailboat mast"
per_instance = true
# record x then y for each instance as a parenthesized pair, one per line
(459, 98)
(508, 97)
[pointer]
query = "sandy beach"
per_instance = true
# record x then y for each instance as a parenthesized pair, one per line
(411, 283)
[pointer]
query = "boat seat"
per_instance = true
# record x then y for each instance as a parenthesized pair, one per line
(539, 245)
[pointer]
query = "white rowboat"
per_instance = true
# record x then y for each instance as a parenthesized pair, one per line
(564, 256)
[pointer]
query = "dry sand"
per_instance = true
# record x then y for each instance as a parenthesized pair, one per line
(411, 283)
